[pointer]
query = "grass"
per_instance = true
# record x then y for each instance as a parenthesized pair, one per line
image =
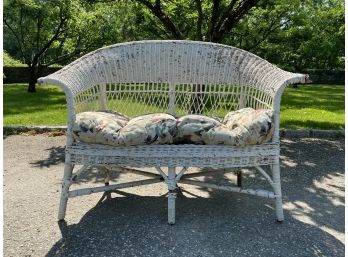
(309, 106)
(313, 106)
(45, 107)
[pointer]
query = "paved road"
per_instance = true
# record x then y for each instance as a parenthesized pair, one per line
(209, 223)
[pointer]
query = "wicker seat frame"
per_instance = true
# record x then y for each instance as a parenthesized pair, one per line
(177, 77)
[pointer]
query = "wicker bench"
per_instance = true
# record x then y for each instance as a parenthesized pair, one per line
(177, 77)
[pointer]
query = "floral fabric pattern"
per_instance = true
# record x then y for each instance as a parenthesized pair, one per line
(192, 127)
(158, 128)
(251, 126)
(220, 135)
(239, 128)
(98, 127)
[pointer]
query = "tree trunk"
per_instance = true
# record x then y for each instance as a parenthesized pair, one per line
(33, 72)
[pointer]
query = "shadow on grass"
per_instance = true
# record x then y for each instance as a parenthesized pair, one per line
(18, 101)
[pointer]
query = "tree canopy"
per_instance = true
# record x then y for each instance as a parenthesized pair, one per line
(293, 34)
(296, 35)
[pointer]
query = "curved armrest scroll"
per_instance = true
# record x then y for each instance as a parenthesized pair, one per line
(52, 80)
(286, 79)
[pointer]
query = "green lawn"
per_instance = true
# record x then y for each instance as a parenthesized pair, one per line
(45, 107)
(309, 106)
(313, 106)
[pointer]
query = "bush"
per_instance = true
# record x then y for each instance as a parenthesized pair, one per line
(11, 62)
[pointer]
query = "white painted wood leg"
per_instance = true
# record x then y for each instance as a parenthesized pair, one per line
(278, 192)
(68, 168)
(171, 208)
(106, 176)
(107, 181)
(171, 183)
(239, 178)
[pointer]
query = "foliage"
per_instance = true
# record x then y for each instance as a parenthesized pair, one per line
(9, 61)
(43, 33)
(102, 24)
(74, 28)
(32, 26)
(36, 30)
(295, 34)
(196, 20)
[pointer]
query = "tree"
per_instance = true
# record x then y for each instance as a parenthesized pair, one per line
(294, 34)
(199, 20)
(41, 33)
(33, 27)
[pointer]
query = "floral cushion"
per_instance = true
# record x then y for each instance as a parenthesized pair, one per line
(239, 128)
(157, 128)
(251, 126)
(221, 135)
(99, 127)
(192, 127)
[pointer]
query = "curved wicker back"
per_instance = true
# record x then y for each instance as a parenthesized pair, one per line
(163, 61)
(173, 61)
(171, 76)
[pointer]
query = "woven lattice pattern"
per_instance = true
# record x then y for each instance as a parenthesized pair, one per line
(137, 99)
(172, 76)
(174, 62)
(174, 155)
(178, 77)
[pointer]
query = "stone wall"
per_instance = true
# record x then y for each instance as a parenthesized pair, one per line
(21, 74)
(325, 76)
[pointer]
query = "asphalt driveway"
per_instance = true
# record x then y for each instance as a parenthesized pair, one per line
(209, 222)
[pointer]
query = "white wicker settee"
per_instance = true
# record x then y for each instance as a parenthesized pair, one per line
(176, 77)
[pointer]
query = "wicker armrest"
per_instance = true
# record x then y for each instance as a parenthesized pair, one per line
(261, 74)
(69, 78)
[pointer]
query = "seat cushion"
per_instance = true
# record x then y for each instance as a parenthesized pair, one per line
(99, 127)
(221, 135)
(251, 126)
(192, 127)
(239, 128)
(157, 128)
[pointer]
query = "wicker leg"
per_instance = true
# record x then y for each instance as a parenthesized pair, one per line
(65, 189)
(171, 207)
(278, 192)
(107, 181)
(171, 195)
(239, 178)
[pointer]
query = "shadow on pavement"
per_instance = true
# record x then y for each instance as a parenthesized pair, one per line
(234, 226)
(56, 156)
(225, 224)
(309, 171)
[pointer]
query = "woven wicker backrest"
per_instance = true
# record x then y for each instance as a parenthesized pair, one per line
(178, 77)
